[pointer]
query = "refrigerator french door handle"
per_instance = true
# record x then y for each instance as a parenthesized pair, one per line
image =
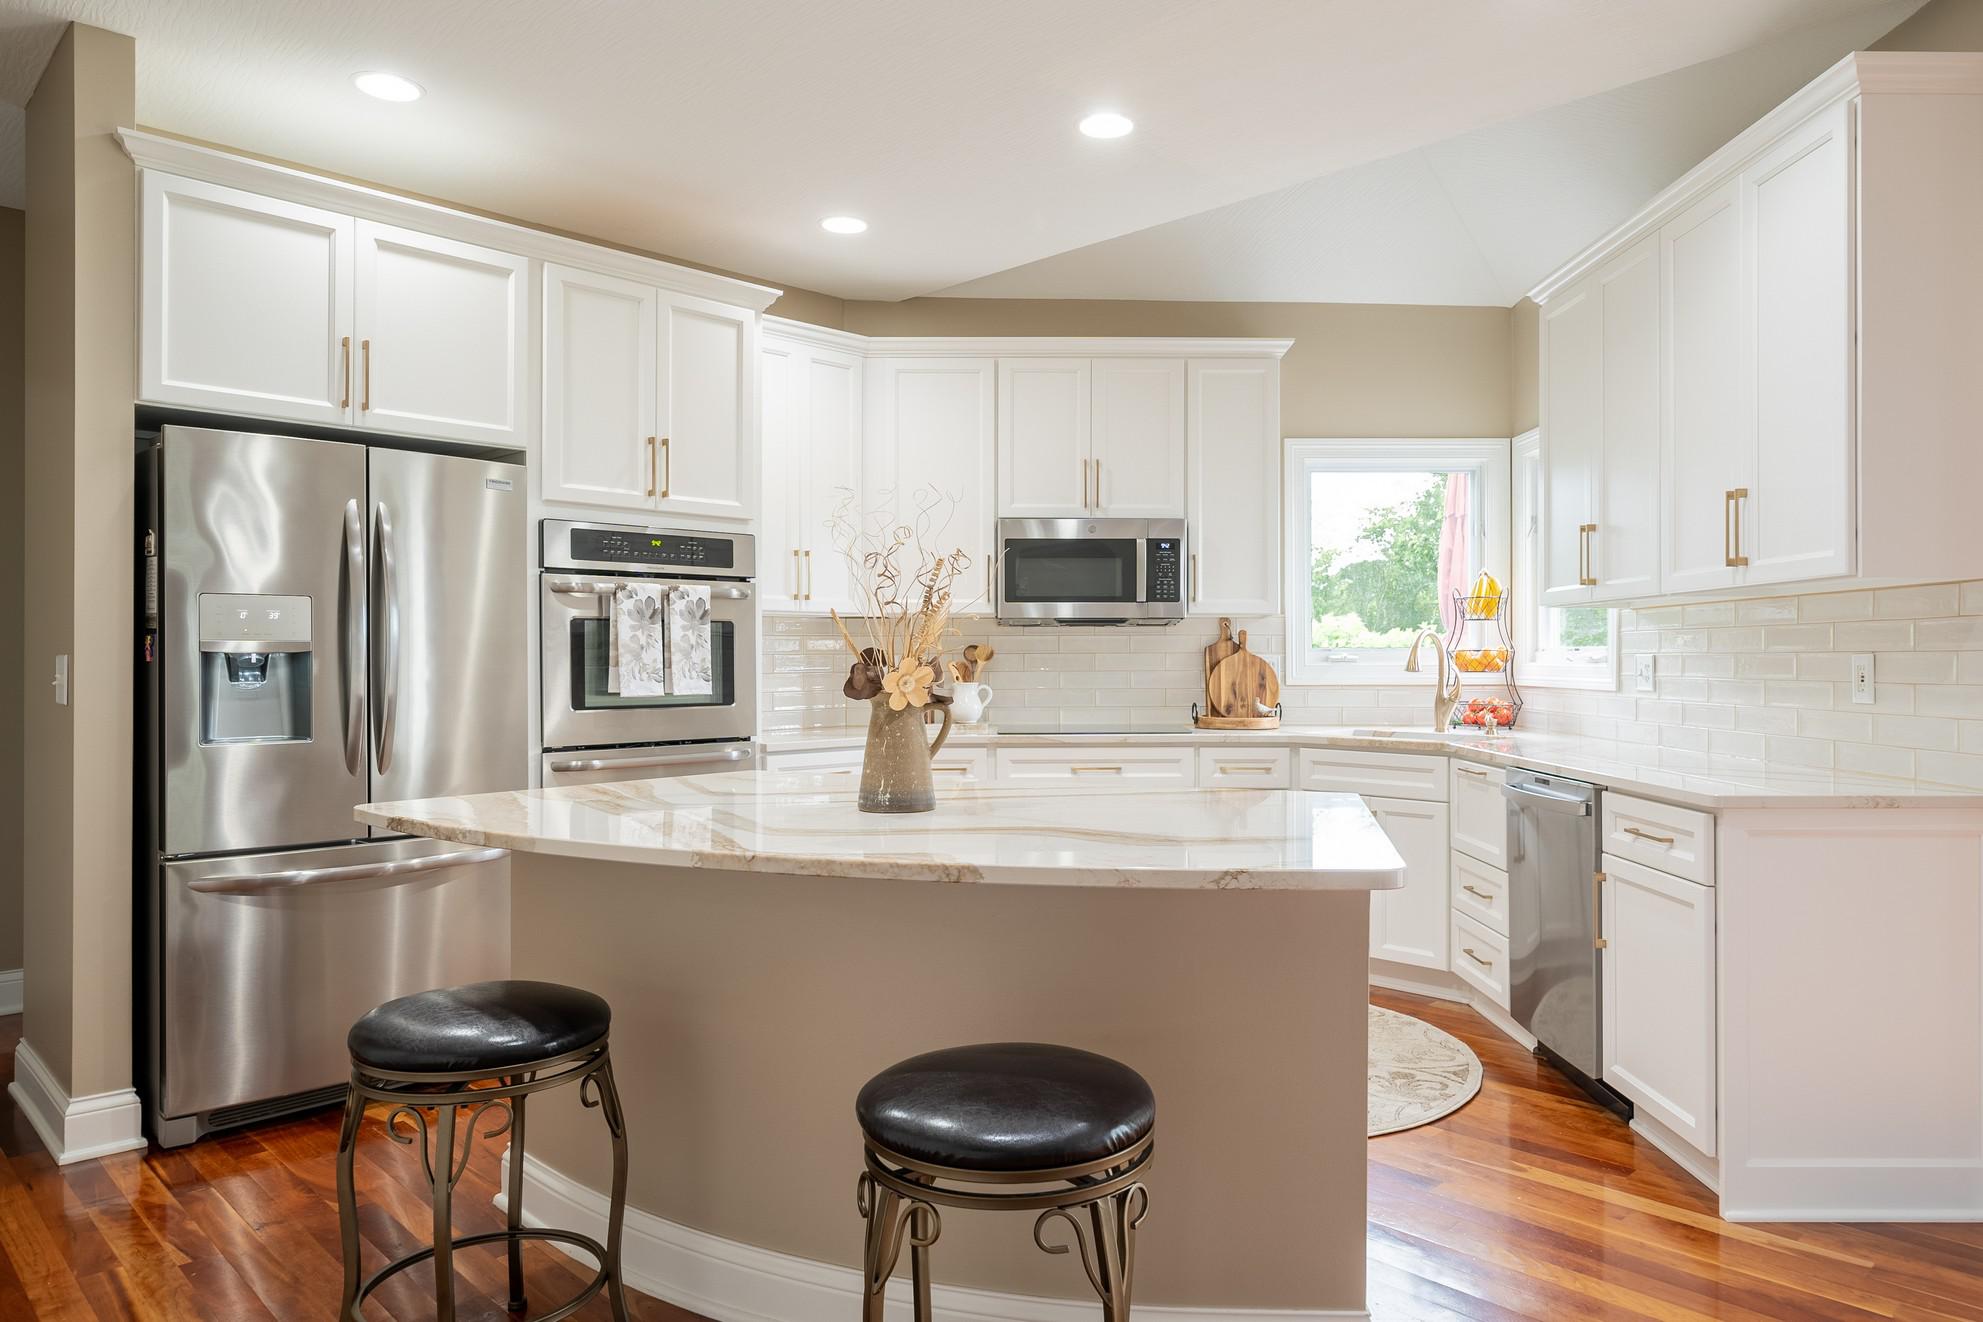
(351, 637)
(385, 601)
(273, 883)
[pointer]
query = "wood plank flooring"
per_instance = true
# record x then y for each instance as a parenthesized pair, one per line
(1528, 1203)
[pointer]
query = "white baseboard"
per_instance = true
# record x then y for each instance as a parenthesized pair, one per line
(733, 1282)
(1420, 985)
(10, 991)
(74, 1128)
(1502, 1020)
(1689, 1158)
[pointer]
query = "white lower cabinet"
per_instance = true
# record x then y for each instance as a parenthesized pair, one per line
(1481, 958)
(834, 761)
(961, 766)
(1243, 768)
(1409, 926)
(1101, 765)
(1480, 817)
(1659, 996)
(1480, 891)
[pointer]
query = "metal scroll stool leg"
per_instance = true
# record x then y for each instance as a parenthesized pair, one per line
(891, 1220)
(347, 1201)
(442, 1173)
(517, 1301)
(608, 1101)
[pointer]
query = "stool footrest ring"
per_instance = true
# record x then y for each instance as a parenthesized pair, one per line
(585, 1295)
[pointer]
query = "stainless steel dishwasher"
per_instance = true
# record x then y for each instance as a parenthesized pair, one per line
(1554, 947)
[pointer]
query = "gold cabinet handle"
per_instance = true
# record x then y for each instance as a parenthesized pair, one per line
(1472, 890)
(667, 468)
(1475, 772)
(955, 770)
(1597, 912)
(1246, 768)
(1731, 527)
(1084, 486)
(1098, 485)
(798, 574)
(1108, 770)
(808, 574)
(1587, 555)
(345, 403)
(1468, 951)
(990, 598)
(365, 349)
(1648, 835)
(1741, 495)
(652, 467)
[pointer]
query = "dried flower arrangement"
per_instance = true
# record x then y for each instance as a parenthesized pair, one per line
(907, 585)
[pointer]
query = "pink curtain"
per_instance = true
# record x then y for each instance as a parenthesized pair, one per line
(1453, 540)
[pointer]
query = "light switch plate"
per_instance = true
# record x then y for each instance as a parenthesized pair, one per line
(61, 681)
(1862, 678)
(1642, 672)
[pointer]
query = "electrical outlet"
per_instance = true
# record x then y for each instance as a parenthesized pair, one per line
(61, 681)
(1642, 672)
(1862, 678)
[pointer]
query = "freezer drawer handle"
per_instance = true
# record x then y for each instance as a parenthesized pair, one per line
(274, 883)
(656, 760)
(593, 587)
(1549, 802)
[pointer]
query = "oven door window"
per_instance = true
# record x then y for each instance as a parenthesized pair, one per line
(1097, 569)
(593, 687)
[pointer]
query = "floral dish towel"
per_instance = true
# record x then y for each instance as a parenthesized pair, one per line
(640, 640)
(690, 671)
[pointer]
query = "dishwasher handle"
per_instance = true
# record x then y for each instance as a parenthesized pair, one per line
(1547, 802)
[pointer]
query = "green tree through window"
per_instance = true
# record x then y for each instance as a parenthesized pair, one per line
(1383, 587)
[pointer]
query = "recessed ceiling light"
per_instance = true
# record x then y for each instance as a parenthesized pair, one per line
(388, 86)
(843, 225)
(1107, 124)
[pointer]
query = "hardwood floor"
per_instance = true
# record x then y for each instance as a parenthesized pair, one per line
(1527, 1203)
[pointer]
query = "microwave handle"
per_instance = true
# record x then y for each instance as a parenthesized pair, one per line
(1142, 570)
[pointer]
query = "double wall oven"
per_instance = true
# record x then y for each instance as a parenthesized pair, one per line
(592, 732)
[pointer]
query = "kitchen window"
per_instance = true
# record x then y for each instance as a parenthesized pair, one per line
(1556, 646)
(1382, 533)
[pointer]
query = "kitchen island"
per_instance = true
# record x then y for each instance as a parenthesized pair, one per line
(766, 948)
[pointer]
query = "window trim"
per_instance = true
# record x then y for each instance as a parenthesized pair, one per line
(1529, 669)
(1488, 459)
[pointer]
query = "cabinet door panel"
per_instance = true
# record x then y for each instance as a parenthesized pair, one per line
(1412, 926)
(929, 456)
(707, 409)
(1706, 431)
(1044, 416)
(1572, 436)
(1798, 522)
(441, 336)
(1233, 491)
(1138, 437)
(832, 475)
(1624, 551)
(599, 389)
(1659, 996)
(782, 435)
(246, 303)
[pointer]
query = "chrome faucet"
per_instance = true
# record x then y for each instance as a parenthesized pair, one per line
(1444, 697)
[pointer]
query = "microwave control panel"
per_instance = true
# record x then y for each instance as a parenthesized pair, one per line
(1165, 564)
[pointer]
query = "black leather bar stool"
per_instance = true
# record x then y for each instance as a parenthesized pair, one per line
(427, 1052)
(1006, 1114)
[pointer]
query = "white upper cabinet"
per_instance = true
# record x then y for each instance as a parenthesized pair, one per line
(708, 409)
(1233, 486)
(1045, 431)
(246, 303)
(1572, 406)
(441, 337)
(1137, 439)
(928, 461)
(1623, 549)
(1797, 522)
(812, 473)
(263, 307)
(600, 396)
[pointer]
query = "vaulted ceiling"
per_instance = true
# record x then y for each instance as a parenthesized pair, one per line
(1436, 151)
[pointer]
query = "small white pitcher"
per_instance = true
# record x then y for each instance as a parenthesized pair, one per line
(968, 702)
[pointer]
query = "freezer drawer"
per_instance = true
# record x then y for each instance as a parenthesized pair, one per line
(266, 960)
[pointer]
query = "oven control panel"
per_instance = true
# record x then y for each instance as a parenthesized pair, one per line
(581, 546)
(1164, 559)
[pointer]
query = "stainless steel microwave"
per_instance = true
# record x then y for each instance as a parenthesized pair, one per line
(1090, 571)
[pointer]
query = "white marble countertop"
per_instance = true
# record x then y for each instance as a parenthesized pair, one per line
(1696, 780)
(798, 823)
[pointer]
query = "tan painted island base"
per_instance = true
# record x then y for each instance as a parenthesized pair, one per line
(748, 1009)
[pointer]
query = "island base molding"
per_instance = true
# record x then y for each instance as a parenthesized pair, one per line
(732, 1282)
(74, 1129)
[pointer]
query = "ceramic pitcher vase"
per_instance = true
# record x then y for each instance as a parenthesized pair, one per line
(895, 771)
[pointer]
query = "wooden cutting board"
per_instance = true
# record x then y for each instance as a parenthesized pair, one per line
(1243, 685)
(1221, 647)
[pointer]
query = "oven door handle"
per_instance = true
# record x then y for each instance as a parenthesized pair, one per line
(594, 587)
(274, 883)
(652, 760)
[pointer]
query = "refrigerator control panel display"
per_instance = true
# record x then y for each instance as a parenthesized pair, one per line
(232, 622)
(638, 546)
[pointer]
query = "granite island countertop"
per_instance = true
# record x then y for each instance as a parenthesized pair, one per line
(804, 824)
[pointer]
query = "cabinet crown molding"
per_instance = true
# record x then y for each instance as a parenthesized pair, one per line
(153, 151)
(1024, 346)
(1921, 73)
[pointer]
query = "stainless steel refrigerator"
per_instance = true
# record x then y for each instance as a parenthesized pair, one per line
(325, 623)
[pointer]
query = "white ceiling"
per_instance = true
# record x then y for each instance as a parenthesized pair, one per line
(722, 130)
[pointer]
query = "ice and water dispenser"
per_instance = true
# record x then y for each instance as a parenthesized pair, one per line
(255, 667)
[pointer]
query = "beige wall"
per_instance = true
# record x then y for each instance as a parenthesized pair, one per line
(1355, 369)
(1524, 366)
(13, 250)
(1939, 25)
(81, 301)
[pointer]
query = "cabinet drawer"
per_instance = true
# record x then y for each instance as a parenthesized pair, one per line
(1480, 957)
(962, 766)
(1108, 764)
(1679, 841)
(1480, 891)
(841, 760)
(1387, 775)
(1480, 817)
(1259, 768)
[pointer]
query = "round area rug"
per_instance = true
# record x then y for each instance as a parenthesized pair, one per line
(1417, 1072)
